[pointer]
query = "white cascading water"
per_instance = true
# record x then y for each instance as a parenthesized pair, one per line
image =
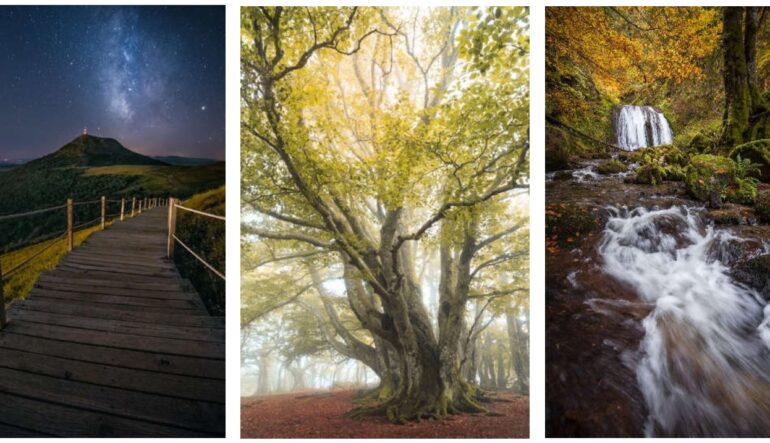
(704, 368)
(641, 126)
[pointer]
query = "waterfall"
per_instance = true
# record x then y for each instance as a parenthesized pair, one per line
(640, 126)
(704, 359)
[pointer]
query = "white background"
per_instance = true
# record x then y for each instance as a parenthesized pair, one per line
(537, 180)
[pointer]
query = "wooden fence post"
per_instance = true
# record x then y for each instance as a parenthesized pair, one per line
(104, 210)
(3, 319)
(122, 208)
(133, 206)
(171, 228)
(69, 225)
(140, 207)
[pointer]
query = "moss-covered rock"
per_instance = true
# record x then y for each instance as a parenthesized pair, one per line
(650, 174)
(672, 155)
(629, 156)
(674, 173)
(708, 177)
(758, 151)
(611, 167)
(762, 206)
(700, 143)
(755, 273)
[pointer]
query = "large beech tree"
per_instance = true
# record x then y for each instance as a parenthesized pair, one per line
(378, 143)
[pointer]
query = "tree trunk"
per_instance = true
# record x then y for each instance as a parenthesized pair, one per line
(745, 112)
(518, 341)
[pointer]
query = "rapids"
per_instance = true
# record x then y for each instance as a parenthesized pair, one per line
(703, 364)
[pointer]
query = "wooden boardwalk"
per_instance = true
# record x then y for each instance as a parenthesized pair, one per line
(113, 342)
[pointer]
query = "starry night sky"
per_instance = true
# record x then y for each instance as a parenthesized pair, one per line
(152, 77)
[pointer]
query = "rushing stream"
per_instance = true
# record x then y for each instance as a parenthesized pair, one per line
(640, 126)
(703, 366)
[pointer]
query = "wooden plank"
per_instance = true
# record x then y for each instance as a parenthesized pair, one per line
(195, 415)
(186, 387)
(68, 285)
(170, 346)
(134, 315)
(62, 421)
(38, 297)
(11, 431)
(103, 280)
(97, 259)
(98, 324)
(116, 269)
(150, 361)
(104, 298)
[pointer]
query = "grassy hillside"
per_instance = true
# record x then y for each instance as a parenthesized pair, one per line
(205, 236)
(23, 189)
(20, 282)
(88, 150)
(185, 161)
(177, 181)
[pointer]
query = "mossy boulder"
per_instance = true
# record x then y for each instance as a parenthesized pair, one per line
(700, 143)
(650, 174)
(755, 273)
(762, 206)
(674, 173)
(672, 155)
(758, 151)
(629, 156)
(708, 177)
(611, 167)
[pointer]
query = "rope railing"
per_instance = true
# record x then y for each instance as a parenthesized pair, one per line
(172, 238)
(35, 212)
(206, 214)
(200, 259)
(136, 208)
(29, 259)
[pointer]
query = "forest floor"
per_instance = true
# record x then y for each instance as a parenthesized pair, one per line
(322, 415)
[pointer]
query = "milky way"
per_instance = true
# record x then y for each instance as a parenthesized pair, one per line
(153, 77)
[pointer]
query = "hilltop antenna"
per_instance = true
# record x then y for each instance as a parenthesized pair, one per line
(85, 132)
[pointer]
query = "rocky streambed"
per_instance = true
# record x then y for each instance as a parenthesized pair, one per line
(636, 278)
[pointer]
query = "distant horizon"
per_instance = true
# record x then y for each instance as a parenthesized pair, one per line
(152, 77)
(11, 159)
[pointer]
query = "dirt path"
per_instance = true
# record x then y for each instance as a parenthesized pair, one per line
(321, 415)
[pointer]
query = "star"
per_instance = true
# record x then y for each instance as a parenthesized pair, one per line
(203, 108)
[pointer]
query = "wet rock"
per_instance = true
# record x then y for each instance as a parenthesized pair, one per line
(562, 175)
(755, 273)
(762, 206)
(730, 214)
